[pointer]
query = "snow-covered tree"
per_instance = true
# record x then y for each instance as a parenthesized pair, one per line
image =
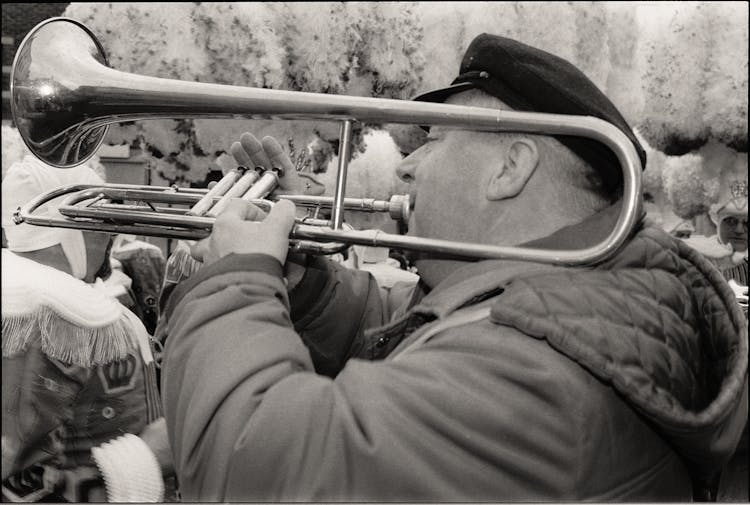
(694, 72)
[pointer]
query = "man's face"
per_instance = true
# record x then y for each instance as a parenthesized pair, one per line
(733, 230)
(448, 178)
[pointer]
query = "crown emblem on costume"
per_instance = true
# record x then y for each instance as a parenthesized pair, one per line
(118, 376)
(738, 192)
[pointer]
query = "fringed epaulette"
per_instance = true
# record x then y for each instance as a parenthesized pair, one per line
(69, 319)
(63, 340)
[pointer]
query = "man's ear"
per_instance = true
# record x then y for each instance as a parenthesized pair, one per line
(514, 169)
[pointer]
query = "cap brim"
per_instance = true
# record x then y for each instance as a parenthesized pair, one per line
(439, 95)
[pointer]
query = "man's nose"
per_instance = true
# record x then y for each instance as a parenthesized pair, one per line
(407, 170)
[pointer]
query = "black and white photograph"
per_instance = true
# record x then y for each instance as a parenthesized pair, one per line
(375, 252)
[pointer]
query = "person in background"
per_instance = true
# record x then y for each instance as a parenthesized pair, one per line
(286, 378)
(144, 265)
(730, 218)
(727, 250)
(82, 418)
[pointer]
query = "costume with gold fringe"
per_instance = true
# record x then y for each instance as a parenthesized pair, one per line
(78, 373)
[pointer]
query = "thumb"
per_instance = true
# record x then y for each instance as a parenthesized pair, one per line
(282, 215)
(199, 249)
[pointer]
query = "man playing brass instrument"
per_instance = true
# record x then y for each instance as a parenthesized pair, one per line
(290, 379)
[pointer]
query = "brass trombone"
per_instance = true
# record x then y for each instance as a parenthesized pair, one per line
(64, 95)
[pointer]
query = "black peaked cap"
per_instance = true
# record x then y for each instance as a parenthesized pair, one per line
(532, 80)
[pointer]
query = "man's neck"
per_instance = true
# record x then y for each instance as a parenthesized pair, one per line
(434, 271)
(571, 235)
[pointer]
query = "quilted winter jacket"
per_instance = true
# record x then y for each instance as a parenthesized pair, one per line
(508, 381)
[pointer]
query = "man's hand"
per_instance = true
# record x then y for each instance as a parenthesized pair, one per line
(155, 437)
(268, 154)
(242, 229)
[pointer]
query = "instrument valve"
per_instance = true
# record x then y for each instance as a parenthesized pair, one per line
(399, 207)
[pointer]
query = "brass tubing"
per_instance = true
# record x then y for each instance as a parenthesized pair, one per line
(240, 188)
(345, 152)
(139, 208)
(83, 192)
(311, 247)
(265, 185)
(79, 193)
(139, 217)
(397, 206)
(224, 185)
(105, 96)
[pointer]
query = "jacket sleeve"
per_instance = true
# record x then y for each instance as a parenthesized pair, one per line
(330, 308)
(230, 339)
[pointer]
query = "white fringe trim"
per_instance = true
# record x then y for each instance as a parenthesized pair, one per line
(68, 342)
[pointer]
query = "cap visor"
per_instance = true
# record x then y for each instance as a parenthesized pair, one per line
(439, 95)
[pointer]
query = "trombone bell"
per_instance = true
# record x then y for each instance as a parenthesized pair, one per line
(52, 108)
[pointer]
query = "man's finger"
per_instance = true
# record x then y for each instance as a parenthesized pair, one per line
(240, 156)
(241, 210)
(254, 213)
(281, 215)
(277, 156)
(254, 149)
